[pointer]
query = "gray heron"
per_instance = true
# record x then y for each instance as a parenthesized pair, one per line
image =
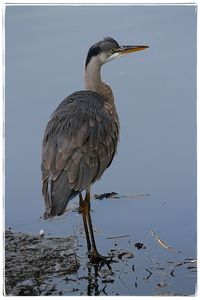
(81, 139)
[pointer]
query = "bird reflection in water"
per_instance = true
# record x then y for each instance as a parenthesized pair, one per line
(93, 281)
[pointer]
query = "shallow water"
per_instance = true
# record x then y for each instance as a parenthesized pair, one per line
(155, 92)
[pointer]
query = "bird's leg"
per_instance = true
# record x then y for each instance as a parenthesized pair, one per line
(81, 203)
(95, 257)
(83, 210)
(89, 221)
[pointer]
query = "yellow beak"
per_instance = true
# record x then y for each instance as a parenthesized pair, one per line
(129, 49)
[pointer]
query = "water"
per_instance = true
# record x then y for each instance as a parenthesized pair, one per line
(155, 93)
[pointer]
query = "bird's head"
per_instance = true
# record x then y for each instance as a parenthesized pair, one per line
(108, 49)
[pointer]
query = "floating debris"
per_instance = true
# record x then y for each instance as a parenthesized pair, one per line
(120, 254)
(191, 267)
(162, 284)
(178, 264)
(106, 195)
(158, 268)
(135, 196)
(139, 246)
(104, 273)
(187, 261)
(114, 195)
(108, 280)
(150, 273)
(172, 273)
(162, 243)
(117, 237)
(42, 233)
(49, 267)
(190, 260)
(125, 254)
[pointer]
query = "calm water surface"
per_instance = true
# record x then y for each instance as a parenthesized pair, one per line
(155, 92)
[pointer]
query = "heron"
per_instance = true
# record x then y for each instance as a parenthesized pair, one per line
(81, 140)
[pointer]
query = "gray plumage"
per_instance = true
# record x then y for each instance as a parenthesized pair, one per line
(79, 144)
(81, 137)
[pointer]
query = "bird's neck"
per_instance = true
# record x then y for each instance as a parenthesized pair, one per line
(93, 82)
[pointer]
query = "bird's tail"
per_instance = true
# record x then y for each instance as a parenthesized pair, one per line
(57, 194)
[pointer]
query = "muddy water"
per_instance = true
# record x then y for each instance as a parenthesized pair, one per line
(40, 265)
(155, 93)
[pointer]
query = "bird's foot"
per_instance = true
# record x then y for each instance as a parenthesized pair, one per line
(96, 258)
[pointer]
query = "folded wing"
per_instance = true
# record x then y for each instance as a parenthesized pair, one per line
(79, 144)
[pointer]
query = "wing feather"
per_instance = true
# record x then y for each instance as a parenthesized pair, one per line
(79, 144)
